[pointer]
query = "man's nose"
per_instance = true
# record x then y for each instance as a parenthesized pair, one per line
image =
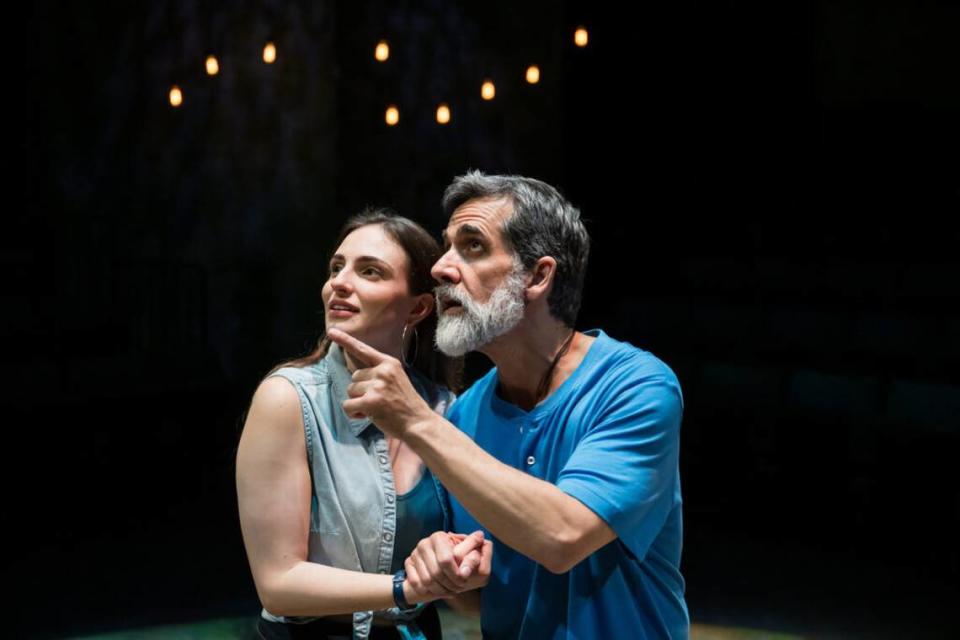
(445, 271)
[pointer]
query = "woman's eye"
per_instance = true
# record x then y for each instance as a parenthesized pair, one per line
(371, 271)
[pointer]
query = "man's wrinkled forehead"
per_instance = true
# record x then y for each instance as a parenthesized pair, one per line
(479, 217)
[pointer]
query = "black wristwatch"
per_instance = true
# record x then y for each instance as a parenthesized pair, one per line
(398, 596)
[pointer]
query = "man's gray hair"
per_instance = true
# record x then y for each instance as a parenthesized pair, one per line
(543, 223)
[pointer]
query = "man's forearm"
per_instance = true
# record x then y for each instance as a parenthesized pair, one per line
(530, 515)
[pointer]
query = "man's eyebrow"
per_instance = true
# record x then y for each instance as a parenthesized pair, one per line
(467, 229)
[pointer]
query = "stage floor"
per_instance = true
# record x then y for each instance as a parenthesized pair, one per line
(455, 627)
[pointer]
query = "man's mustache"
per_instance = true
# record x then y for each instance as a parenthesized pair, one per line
(447, 292)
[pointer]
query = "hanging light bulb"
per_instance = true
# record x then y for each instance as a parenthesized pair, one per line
(393, 115)
(269, 53)
(213, 67)
(488, 91)
(581, 37)
(443, 114)
(176, 96)
(382, 52)
(533, 74)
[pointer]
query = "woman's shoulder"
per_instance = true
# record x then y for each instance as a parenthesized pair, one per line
(282, 388)
(313, 374)
(274, 415)
(275, 394)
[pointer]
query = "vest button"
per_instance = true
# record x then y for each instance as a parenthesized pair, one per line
(531, 460)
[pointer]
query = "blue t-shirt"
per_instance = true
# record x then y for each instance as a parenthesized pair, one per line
(609, 437)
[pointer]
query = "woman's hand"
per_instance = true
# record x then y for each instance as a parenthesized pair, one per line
(445, 564)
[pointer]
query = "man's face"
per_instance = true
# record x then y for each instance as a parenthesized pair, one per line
(481, 291)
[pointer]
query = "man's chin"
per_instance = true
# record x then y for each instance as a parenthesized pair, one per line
(454, 353)
(453, 349)
(458, 335)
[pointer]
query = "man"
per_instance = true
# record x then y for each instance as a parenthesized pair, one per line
(566, 452)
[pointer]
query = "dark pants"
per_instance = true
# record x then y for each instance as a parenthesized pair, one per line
(322, 629)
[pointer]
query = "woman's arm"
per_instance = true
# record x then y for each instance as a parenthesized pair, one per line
(273, 494)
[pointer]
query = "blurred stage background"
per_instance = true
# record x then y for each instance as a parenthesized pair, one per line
(772, 190)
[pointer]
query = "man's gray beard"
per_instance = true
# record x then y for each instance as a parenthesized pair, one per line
(480, 323)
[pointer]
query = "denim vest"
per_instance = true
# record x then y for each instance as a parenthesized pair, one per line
(353, 509)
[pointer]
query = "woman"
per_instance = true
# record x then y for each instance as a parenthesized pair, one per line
(329, 505)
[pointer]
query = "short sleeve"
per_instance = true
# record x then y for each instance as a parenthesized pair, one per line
(625, 468)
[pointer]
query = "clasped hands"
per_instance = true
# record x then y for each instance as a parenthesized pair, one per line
(446, 564)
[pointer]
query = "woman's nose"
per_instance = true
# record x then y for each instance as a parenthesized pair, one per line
(340, 281)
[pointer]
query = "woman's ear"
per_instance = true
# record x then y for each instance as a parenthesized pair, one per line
(422, 308)
(542, 277)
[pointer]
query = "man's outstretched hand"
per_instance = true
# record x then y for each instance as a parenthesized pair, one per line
(380, 389)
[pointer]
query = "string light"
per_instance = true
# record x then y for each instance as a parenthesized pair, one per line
(443, 114)
(533, 74)
(383, 51)
(393, 115)
(580, 37)
(269, 53)
(488, 91)
(213, 67)
(176, 96)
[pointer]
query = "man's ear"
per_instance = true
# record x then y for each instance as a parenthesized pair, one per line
(541, 277)
(422, 308)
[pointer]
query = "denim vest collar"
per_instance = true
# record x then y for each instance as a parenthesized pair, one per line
(340, 379)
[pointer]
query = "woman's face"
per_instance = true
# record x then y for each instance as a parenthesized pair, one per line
(366, 294)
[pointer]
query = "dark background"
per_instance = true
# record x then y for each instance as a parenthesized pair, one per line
(772, 191)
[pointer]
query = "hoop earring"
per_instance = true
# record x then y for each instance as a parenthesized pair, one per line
(416, 346)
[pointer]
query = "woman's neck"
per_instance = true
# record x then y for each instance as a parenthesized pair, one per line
(354, 364)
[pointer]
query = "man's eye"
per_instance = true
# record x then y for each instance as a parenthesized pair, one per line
(475, 245)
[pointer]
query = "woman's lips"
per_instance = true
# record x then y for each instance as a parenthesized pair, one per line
(339, 309)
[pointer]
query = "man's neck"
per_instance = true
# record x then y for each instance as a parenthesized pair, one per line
(525, 355)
